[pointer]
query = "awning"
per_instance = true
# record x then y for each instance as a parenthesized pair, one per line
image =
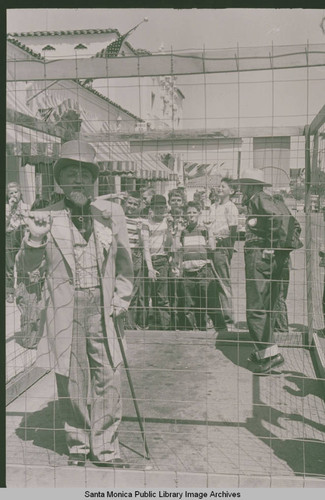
(23, 141)
(206, 182)
(149, 166)
(16, 100)
(115, 158)
(193, 170)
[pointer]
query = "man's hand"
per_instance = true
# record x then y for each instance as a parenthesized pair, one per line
(12, 202)
(153, 274)
(119, 312)
(39, 224)
(267, 253)
(175, 271)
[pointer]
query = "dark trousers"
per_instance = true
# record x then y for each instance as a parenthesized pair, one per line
(159, 293)
(221, 260)
(93, 428)
(174, 300)
(262, 290)
(13, 242)
(201, 298)
(136, 312)
(281, 323)
(324, 299)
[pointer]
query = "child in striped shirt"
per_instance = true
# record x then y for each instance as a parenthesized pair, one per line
(200, 284)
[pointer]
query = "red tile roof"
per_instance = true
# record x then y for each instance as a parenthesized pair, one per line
(78, 32)
(62, 33)
(93, 91)
(25, 48)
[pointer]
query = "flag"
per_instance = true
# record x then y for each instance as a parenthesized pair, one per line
(113, 49)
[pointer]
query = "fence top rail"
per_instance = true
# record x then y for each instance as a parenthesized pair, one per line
(182, 63)
(200, 135)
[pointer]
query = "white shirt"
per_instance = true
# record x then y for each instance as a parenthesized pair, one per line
(222, 217)
(157, 236)
(86, 260)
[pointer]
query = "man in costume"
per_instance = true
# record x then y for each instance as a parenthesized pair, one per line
(88, 287)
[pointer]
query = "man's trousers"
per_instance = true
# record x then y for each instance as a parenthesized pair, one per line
(13, 242)
(281, 322)
(262, 289)
(221, 260)
(201, 298)
(137, 312)
(92, 380)
(159, 293)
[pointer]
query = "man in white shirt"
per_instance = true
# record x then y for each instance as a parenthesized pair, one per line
(160, 242)
(224, 221)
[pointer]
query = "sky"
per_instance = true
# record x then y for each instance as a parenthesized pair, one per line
(183, 29)
(292, 98)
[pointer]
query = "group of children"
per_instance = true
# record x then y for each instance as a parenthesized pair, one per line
(181, 261)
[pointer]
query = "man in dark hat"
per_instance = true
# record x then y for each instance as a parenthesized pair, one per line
(263, 266)
(88, 288)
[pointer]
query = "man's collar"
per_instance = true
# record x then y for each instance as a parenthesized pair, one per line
(253, 196)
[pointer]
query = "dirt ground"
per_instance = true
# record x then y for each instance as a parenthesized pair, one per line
(208, 420)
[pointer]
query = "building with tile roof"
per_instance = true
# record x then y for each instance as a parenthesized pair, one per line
(157, 101)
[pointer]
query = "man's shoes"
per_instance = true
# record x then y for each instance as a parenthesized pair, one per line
(266, 365)
(221, 337)
(115, 463)
(77, 459)
(10, 298)
(252, 358)
(139, 327)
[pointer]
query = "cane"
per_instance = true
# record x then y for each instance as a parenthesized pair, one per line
(118, 327)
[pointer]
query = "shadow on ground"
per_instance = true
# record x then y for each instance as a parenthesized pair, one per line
(44, 428)
(272, 419)
(303, 456)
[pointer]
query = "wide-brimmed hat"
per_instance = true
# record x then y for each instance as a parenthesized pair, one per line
(252, 176)
(77, 152)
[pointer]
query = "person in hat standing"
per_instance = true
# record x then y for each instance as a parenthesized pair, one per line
(264, 262)
(88, 289)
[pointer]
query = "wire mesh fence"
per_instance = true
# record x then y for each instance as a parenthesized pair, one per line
(172, 202)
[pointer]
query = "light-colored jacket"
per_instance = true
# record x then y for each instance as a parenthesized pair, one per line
(116, 274)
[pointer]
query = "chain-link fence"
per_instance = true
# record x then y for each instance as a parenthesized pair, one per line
(315, 237)
(176, 124)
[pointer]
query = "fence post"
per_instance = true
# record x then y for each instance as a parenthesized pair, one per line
(308, 237)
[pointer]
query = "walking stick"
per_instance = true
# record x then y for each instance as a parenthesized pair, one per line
(118, 327)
